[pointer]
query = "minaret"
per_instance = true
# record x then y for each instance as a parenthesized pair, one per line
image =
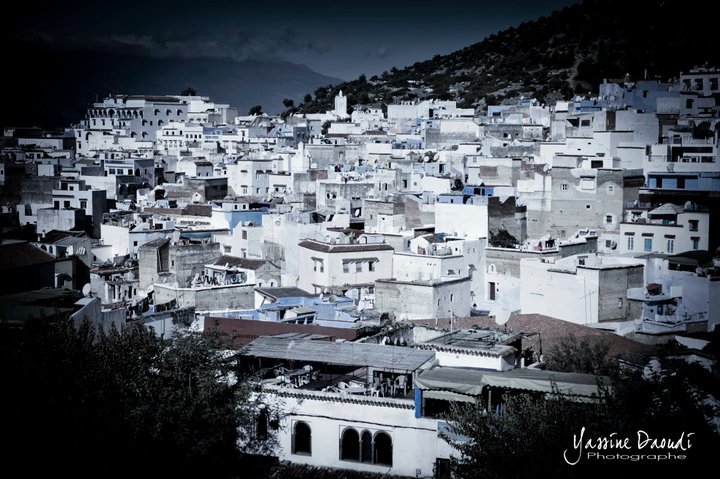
(340, 105)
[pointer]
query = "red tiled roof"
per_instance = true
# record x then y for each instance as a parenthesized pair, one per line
(240, 332)
(22, 254)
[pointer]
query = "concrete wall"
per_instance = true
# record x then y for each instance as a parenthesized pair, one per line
(207, 299)
(462, 220)
(423, 300)
(188, 260)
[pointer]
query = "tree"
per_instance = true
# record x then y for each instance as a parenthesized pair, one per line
(125, 398)
(581, 355)
(532, 433)
(255, 110)
(535, 430)
(503, 239)
(288, 103)
(307, 98)
(189, 91)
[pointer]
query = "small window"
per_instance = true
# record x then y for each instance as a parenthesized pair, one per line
(608, 219)
(588, 206)
(358, 267)
(695, 243)
(66, 204)
(346, 267)
(350, 445)
(647, 244)
(611, 189)
(693, 224)
(670, 245)
(371, 266)
(302, 439)
(134, 243)
(244, 234)
(630, 243)
(564, 187)
(383, 449)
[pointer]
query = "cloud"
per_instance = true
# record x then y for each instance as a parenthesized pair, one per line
(379, 52)
(234, 43)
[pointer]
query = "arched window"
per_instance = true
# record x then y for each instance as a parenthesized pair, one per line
(144, 122)
(366, 447)
(167, 112)
(302, 439)
(179, 112)
(350, 445)
(261, 429)
(383, 449)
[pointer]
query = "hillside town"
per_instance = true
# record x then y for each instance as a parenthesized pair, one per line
(379, 262)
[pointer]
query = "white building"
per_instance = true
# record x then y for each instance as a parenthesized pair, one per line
(667, 229)
(581, 289)
(343, 267)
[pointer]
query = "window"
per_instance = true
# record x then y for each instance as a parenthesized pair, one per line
(630, 243)
(695, 243)
(670, 245)
(608, 243)
(244, 234)
(608, 219)
(358, 267)
(681, 183)
(350, 445)
(452, 297)
(383, 449)
(611, 189)
(647, 244)
(371, 266)
(588, 206)
(302, 439)
(587, 184)
(83, 204)
(491, 291)
(134, 243)
(346, 267)
(66, 204)
(318, 265)
(564, 187)
(693, 225)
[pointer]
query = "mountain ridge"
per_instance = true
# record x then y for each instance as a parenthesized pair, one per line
(557, 56)
(53, 88)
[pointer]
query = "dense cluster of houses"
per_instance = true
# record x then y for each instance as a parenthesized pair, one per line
(357, 256)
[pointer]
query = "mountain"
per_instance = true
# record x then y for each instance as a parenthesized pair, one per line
(53, 88)
(570, 51)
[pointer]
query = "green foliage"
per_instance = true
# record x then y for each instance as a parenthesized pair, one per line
(503, 239)
(189, 91)
(534, 431)
(127, 398)
(581, 355)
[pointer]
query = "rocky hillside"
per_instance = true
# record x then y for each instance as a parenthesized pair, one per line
(568, 52)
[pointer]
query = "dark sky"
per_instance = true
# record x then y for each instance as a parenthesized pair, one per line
(338, 38)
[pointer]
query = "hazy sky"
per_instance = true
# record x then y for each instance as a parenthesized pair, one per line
(338, 38)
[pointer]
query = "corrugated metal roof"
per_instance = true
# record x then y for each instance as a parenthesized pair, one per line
(346, 353)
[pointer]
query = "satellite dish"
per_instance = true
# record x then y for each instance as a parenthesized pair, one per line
(332, 298)
(86, 290)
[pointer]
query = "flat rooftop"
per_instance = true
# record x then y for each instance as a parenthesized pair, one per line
(393, 358)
